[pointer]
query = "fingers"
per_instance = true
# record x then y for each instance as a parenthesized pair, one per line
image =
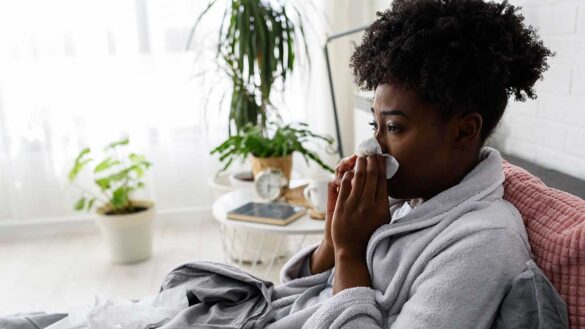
(370, 186)
(332, 195)
(344, 191)
(359, 180)
(346, 164)
(381, 187)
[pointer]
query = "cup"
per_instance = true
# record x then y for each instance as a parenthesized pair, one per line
(316, 193)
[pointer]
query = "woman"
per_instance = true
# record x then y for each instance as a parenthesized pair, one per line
(447, 251)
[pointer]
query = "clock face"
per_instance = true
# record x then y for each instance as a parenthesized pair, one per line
(269, 184)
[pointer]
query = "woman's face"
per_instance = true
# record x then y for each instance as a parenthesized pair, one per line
(412, 132)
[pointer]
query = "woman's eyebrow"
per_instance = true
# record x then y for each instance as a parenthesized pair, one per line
(392, 112)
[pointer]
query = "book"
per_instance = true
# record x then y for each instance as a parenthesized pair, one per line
(267, 213)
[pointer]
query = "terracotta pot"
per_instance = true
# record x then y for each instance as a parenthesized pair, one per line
(284, 164)
(128, 236)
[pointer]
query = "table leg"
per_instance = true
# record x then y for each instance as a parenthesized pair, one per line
(274, 256)
(241, 260)
(257, 256)
(224, 236)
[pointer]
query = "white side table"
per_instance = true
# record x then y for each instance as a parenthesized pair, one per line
(303, 226)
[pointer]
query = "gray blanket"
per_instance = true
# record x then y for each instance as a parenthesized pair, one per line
(219, 296)
(36, 320)
(222, 296)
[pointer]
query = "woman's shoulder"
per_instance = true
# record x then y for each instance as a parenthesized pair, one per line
(496, 219)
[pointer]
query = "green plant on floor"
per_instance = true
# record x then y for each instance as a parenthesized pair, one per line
(116, 177)
(286, 140)
(258, 43)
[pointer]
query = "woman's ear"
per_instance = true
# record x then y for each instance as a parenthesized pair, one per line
(468, 130)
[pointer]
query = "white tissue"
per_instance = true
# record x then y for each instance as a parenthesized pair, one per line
(371, 147)
(116, 313)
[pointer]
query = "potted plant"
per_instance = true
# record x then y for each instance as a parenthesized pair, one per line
(260, 44)
(125, 223)
(271, 150)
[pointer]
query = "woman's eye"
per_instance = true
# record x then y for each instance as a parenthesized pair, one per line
(393, 129)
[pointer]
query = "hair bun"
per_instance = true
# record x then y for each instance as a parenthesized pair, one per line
(528, 55)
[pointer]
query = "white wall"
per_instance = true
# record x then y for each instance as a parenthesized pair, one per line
(381, 5)
(345, 15)
(551, 129)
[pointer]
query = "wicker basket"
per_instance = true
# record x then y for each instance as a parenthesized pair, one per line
(284, 164)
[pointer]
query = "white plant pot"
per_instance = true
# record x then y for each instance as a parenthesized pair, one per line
(128, 237)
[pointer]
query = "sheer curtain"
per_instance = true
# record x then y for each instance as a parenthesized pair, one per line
(82, 73)
(77, 73)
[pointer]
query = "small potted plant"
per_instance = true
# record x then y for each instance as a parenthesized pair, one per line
(125, 223)
(271, 151)
(266, 151)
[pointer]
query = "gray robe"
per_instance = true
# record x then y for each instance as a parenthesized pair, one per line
(450, 263)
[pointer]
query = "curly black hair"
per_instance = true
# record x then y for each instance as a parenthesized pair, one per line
(461, 55)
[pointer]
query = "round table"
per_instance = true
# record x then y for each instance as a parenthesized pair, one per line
(303, 226)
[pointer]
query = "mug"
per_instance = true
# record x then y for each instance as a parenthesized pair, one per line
(316, 193)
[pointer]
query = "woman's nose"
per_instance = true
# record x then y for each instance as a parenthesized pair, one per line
(380, 140)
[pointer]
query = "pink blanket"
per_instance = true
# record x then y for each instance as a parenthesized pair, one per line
(555, 222)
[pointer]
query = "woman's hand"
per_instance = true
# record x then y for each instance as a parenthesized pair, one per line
(345, 165)
(323, 258)
(361, 207)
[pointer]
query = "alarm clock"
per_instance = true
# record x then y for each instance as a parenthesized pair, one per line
(270, 184)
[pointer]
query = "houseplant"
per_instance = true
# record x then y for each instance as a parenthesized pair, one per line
(258, 46)
(260, 43)
(125, 223)
(271, 150)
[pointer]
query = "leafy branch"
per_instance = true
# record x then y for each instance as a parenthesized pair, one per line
(116, 178)
(286, 140)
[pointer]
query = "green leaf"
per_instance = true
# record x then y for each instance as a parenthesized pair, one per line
(80, 204)
(194, 28)
(90, 204)
(106, 164)
(119, 197)
(77, 169)
(121, 142)
(82, 154)
(136, 158)
(138, 170)
(79, 164)
(103, 183)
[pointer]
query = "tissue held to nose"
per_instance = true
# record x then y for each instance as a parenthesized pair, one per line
(371, 147)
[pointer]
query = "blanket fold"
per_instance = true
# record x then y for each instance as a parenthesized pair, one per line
(219, 296)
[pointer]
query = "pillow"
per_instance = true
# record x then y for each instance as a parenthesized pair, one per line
(555, 223)
(532, 302)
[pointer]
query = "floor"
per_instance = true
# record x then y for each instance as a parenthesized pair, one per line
(53, 273)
